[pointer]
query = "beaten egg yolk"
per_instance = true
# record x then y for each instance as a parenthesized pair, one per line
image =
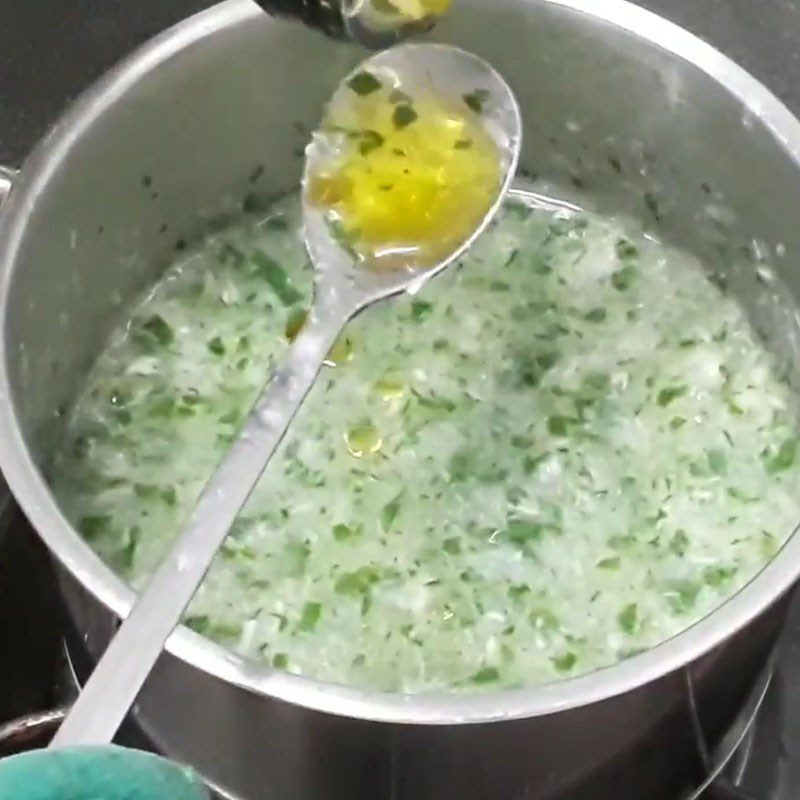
(411, 179)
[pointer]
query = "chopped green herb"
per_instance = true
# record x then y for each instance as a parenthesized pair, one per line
(256, 174)
(612, 564)
(366, 604)
(682, 596)
(626, 250)
(344, 238)
(159, 329)
(719, 576)
(566, 662)
(126, 556)
(623, 279)
(146, 492)
(486, 675)
(522, 531)
(531, 463)
(559, 425)
(651, 204)
(276, 223)
(93, 526)
(268, 270)
(253, 203)
(231, 418)
(163, 408)
(434, 403)
(596, 315)
(359, 582)
(403, 116)
(310, 617)
(460, 467)
(228, 254)
(343, 532)
(670, 394)
(679, 544)
(785, 457)
(370, 140)
(770, 546)
(628, 618)
(216, 346)
(297, 555)
(477, 100)
(528, 368)
(364, 83)
(205, 626)
(199, 624)
(735, 410)
(280, 661)
(717, 462)
(738, 494)
(421, 310)
(518, 590)
(452, 546)
(518, 209)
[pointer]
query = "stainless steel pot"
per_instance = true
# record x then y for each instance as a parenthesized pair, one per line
(636, 114)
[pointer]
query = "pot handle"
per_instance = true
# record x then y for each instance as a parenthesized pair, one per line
(31, 732)
(7, 176)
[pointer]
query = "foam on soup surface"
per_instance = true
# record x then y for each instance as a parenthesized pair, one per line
(566, 450)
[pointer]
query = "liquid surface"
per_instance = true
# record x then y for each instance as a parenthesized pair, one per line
(566, 451)
(409, 178)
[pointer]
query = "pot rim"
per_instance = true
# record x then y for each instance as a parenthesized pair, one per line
(33, 494)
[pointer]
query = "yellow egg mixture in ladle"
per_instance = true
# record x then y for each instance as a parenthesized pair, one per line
(411, 176)
(414, 9)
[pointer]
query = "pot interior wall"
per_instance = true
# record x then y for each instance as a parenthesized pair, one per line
(625, 124)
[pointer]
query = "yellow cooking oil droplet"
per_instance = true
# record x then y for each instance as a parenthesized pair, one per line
(341, 353)
(389, 389)
(294, 324)
(411, 177)
(363, 440)
(414, 9)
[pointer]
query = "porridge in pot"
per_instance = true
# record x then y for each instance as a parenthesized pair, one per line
(565, 451)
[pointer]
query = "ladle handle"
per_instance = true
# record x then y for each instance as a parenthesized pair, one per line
(116, 681)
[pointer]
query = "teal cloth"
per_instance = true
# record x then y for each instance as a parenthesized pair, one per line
(96, 773)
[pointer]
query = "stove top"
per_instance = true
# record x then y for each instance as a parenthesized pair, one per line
(49, 51)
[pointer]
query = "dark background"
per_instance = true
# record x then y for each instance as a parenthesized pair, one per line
(51, 49)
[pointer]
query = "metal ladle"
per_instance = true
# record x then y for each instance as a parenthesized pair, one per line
(342, 289)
